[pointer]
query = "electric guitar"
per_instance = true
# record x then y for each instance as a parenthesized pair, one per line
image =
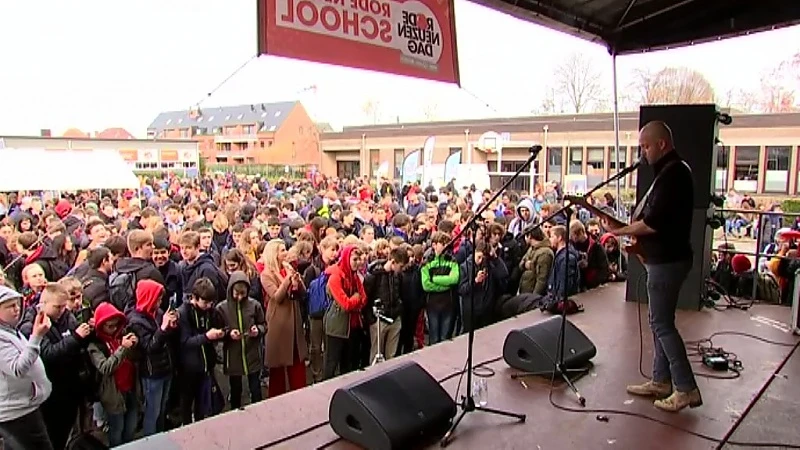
(632, 247)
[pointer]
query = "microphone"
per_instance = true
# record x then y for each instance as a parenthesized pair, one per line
(632, 168)
(535, 149)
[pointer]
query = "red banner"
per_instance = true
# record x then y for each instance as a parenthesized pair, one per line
(415, 38)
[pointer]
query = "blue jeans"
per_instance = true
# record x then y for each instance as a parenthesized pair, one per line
(670, 362)
(156, 394)
(439, 322)
(121, 427)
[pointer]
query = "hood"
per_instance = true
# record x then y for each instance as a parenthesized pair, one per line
(237, 277)
(131, 265)
(201, 260)
(63, 208)
(105, 312)
(377, 266)
(606, 237)
(526, 203)
(148, 296)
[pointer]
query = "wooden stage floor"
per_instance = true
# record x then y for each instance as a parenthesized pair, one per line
(734, 409)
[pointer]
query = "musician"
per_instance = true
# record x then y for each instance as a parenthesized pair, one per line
(661, 226)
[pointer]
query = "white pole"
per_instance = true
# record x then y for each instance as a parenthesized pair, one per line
(467, 147)
(616, 127)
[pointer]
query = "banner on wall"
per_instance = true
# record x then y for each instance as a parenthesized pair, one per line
(411, 167)
(451, 166)
(415, 38)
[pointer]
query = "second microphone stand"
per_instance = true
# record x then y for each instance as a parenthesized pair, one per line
(468, 401)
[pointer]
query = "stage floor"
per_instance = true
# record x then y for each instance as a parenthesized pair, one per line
(613, 326)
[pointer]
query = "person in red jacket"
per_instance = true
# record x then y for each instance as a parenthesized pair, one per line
(344, 329)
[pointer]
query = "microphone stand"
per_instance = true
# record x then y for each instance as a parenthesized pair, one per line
(559, 366)
(468, 401)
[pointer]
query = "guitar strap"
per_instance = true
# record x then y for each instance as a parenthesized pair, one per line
(640, 206)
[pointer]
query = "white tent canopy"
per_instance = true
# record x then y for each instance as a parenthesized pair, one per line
(36, 169)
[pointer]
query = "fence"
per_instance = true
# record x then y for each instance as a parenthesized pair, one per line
(762, 226)
(270, 171)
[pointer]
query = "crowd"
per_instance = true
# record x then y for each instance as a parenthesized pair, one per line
(129, 314)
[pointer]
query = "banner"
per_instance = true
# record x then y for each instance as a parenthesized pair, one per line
(411, 166)
(415, 38)
(451, 166)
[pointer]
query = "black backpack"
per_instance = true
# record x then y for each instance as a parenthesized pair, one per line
(122, 290)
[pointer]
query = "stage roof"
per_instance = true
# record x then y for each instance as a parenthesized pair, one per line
(633, 26)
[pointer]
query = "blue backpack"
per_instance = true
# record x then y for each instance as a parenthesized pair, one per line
(318, 298)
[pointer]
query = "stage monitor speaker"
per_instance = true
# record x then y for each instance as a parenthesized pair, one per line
(695, 129)
(535, 349)
(396, 409)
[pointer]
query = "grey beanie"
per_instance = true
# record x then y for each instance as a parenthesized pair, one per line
(7, 294)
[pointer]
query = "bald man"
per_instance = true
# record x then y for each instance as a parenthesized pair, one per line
(661, 224)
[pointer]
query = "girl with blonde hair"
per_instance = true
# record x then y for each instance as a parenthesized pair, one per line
(286, 348)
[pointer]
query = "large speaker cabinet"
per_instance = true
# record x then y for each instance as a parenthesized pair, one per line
(535, 349)
(695, 130)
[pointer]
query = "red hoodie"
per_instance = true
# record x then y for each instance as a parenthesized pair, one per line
(344, 283)
(125, 375)
(148, 297)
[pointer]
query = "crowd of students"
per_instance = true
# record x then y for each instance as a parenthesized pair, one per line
(132, 315)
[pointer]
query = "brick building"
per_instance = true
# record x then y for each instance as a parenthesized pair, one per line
(257, 134)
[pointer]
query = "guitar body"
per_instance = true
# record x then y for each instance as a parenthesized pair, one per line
(631, 247)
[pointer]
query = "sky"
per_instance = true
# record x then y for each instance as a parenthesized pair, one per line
(95, 64)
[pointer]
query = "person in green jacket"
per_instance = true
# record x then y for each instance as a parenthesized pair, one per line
(440, 277)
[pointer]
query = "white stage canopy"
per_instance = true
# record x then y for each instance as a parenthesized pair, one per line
(36, 169)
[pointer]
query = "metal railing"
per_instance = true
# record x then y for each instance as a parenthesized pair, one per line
(761, 225)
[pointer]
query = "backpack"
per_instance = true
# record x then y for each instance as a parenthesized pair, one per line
(318, 298)
(122, 289)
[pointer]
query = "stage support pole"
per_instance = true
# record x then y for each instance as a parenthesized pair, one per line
(616, 128)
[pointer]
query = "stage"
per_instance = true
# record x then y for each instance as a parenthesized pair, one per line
(734, 409)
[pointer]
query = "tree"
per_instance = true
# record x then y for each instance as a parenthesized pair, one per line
(372, 110)
(778, 87)
(579, 82)
(672, 85)
(740, 100)
(431, 112)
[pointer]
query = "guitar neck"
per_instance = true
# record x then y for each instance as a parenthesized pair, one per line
(595, 210)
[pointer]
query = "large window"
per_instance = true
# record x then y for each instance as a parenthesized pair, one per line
(576, 160)
(348, 169)
(521, 185)
(374, 161)
(776, 178)
(612, 159)
(399, 156)
(721, 173)
(554, 164)
(595, 166)
(746, 169)
(636, 154)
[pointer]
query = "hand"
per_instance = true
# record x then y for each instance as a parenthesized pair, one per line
(481, 277)
(83, 330)
(236, 335)
(129, 340)
(41, 324)
(165, 320)
(214, 334)
(356, 296)
(91, 322)
(583, 263)
(253, 331)
(610, 225)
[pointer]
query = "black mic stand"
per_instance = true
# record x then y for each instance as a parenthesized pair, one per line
(468, 401)
(559, 366)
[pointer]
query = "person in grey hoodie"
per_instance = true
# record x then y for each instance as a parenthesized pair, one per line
(23, 382)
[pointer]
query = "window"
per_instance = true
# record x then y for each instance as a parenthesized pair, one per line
(184, 132)
(721, 181)
(348, 169)
(520, 185)
(554, 164)
(622, 154)
(776, 178)
(746, 168)
(595, 166)
(167, 165)
(374, 161)
(454, 150)
(636, 154)
(146, 166)
(576, 160)
(399, 156)
(249, 129)
(224, 146)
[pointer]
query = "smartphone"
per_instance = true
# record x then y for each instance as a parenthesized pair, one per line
(84, 315)
(173, 302)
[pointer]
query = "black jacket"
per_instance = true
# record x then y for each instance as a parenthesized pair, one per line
(62, 351)
(203, 267)
(197, 354)
(95, 288)
(153, 352)
(480, 298)
(383, 285)
(411, 293)
(54, 269)
(172, 283)
(143, 268)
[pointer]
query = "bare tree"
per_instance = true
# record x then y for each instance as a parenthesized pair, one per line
(372, 110)
(579, 82)
(431, 111)
(741, 100)
(672, 85)
(778, 87)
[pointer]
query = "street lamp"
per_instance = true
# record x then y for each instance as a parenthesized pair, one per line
(545, 128)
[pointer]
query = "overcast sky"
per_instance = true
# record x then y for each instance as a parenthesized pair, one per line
(95, 64)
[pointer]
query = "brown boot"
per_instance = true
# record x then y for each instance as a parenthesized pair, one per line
(651, 389)
(679, 400)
